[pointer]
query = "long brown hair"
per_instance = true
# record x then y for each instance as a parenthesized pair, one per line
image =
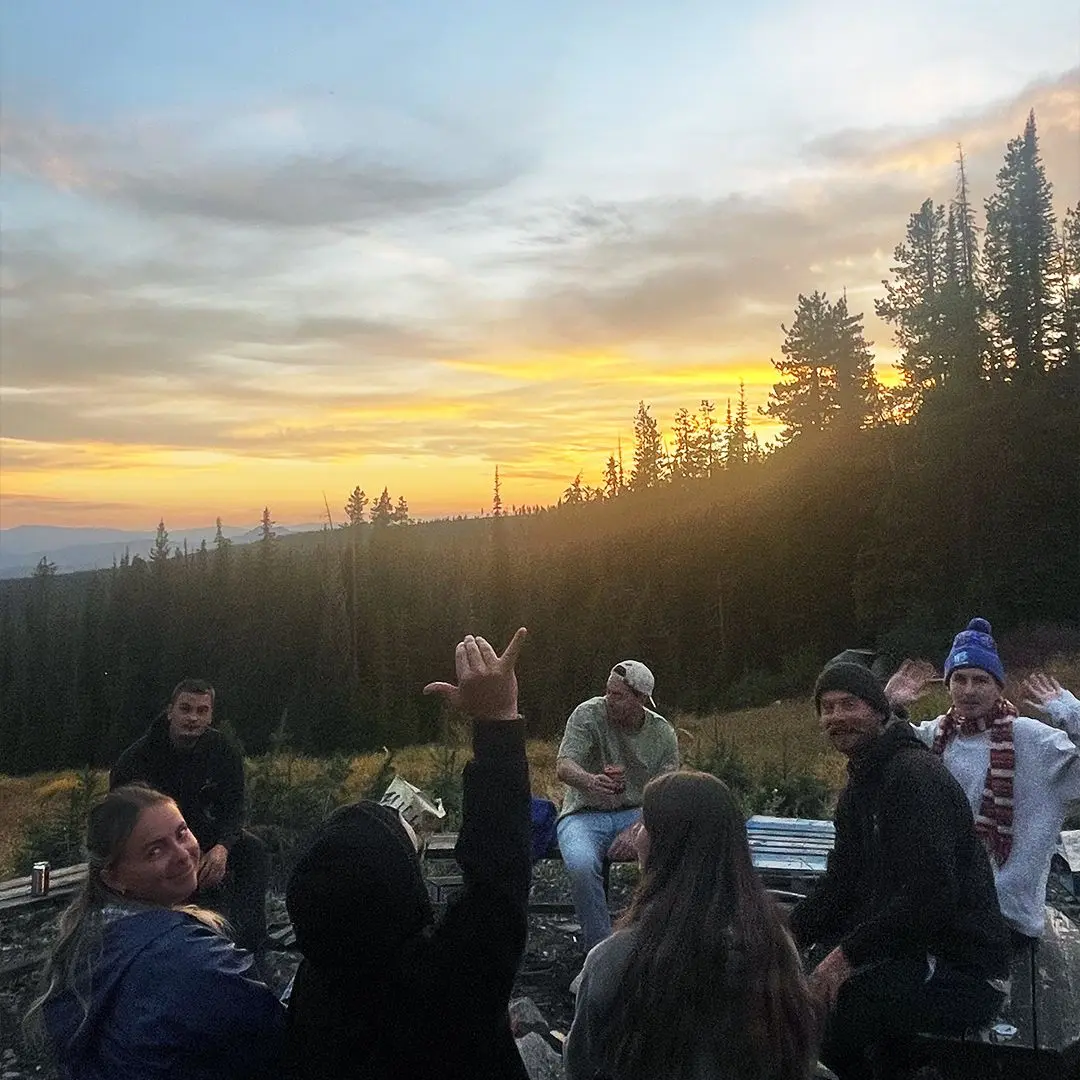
(71, 960)
(712, 969)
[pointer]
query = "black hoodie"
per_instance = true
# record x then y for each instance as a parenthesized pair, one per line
(383, 992)
(207, 781)
(908, 875)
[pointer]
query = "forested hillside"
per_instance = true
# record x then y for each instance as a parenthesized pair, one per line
(885, 516)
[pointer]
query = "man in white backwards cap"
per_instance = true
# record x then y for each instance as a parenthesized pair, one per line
(613, 746)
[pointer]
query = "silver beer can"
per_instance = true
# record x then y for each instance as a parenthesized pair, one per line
(39, 879)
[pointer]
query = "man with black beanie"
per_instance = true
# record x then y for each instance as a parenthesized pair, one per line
(383, 990)
(908, 898)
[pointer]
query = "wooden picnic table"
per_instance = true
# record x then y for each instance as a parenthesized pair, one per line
(789, 853)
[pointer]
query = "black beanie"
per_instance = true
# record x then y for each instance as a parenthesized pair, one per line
(855, 679)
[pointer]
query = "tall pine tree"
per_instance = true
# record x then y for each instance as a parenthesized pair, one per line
(737, 432)
(1019, 256)
(804, 400)
(382, 513)
(966, 233)
(221, 541)
(612, 478)
(649, 457)
(962, 301)
(354, 508)
(856, 401)
(159, 553)
(684, 460)
(1069, 278)
(709, 448)
(829, 370)
(576, 494)
(912, 302)
(934, 300)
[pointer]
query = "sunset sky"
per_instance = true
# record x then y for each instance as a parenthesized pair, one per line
(254, 251)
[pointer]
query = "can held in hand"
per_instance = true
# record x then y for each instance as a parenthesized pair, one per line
(618, 774)
(39, 879)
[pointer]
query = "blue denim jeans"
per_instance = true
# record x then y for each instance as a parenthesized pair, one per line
(584, 838)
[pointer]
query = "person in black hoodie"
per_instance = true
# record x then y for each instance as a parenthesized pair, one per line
(384, 992)
(908, 899)
(200, 767)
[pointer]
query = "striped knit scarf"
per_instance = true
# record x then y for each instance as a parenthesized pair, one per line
(993, 822)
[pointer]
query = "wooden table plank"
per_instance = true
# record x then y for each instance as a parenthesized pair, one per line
(1057, 989)
(62, 875)
(62, 893)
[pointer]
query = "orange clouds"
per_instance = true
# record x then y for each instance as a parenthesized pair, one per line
(236, 335)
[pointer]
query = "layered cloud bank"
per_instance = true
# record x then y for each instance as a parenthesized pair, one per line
(216, 305)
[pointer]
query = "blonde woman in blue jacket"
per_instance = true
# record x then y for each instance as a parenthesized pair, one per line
(140, 985)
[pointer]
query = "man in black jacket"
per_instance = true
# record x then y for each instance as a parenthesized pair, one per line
(384, 991)
(203, 770)
(908, 893)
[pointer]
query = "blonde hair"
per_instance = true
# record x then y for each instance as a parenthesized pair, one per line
(71, 960)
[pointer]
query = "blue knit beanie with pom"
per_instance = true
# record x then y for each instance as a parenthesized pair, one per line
(975, 648)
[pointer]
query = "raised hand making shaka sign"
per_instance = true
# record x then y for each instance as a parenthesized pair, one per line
(487, 684)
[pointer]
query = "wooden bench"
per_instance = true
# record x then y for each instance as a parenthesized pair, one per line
(443, 887)
(63, 881)
(789, 853)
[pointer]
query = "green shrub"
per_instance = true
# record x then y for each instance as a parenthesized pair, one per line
(288, 796)
(446, 762)
(59, 834)
(783, 794)
(376, 788)
(779, 791)
(723, 760)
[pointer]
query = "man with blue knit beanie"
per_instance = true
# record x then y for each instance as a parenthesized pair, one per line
(1018, 774)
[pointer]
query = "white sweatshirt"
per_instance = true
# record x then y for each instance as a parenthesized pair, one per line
(1047, 778)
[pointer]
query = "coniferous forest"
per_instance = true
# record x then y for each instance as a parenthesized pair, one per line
(883, 516)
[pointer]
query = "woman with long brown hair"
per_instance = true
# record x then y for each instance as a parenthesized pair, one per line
(700, 979)
(138, 982)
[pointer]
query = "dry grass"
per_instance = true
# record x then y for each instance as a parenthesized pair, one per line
(782, 735)
(25, 798)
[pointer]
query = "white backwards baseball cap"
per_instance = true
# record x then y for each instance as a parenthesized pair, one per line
(638, 677)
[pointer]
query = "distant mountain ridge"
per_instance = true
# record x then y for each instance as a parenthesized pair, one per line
(73, 548)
